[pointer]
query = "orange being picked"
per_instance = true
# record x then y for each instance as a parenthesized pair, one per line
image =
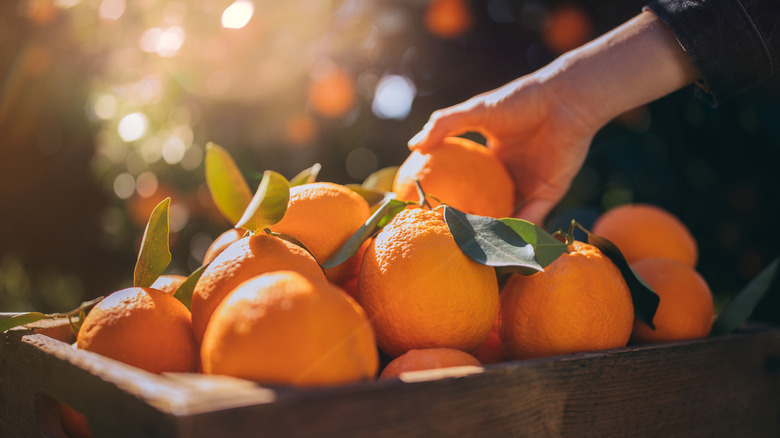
(168, 283)
(421, 291)
(244, 259)
(323, 216)
(427, 359)
(686, 309)
(460, 173)
(579, 303)
(644, 231)
(221, 243)
(284, 328)
(143, 327)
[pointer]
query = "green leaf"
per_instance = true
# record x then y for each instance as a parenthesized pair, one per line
(645, 300)
(290, 239)
(154, 255)
(491, 242)
(307, 176)
(396, 207)
(381, 180)
(546, 247)
(184, 291)
(226, 184)
(382, 215)
(372, 196)
(742, 305)
(19, 320)
(269, 204)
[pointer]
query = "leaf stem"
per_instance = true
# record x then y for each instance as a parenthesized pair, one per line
(421, 194)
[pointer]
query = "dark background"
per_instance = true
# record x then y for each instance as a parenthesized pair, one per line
(66, 237)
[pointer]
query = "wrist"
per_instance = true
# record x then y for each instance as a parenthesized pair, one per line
(636, 63)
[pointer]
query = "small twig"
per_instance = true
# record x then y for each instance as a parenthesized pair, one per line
(421, 194)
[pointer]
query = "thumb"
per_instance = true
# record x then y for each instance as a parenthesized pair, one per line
(458, 119)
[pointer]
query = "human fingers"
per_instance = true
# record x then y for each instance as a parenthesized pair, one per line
(458, 119)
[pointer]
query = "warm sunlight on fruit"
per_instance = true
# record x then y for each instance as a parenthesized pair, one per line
(244, 259)
(646, 231)
(284, 328)
(461, 173)
(579, 303)
(421, 291)
(686, 310)
(427, 359)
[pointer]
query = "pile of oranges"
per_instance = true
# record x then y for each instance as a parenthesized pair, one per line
(409, 298)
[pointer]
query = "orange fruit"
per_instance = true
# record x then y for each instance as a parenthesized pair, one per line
(686, 309)
(73, 422)
(220, 243)
(421, 291)
(143, 327)
(460, 173)
(323, 216)
(644, 231)
(427, 359)
(244, 259)
(579, 303)
(348, 270)
(284, 328)
(168, 283)
(491, 351)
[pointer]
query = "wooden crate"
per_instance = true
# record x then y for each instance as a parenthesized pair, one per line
(726, 386)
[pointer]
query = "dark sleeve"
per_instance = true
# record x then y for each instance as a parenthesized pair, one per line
(734, 44)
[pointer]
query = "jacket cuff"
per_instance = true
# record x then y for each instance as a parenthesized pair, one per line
(727, 40)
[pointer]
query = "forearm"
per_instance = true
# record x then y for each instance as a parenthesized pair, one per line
(634, 64)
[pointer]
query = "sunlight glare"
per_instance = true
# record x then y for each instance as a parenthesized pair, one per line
(132, 127)
(393, 98)
(238, 14)
(112, 9)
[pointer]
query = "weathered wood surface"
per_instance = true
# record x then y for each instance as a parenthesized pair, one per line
(727, 386)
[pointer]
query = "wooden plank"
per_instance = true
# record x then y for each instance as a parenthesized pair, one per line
(726, 386)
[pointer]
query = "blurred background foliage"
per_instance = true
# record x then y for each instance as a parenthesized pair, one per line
(106, 107)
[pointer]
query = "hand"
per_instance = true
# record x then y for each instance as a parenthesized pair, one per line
(541, 125)
(529, 125)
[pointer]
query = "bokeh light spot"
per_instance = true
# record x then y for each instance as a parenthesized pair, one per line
(332, 93)
(238, 14)
(173, 150)
(448, 18)
(170, 41)
(112, 9)
(192, 158)
(66, 4)
(146, 184)
(178, 216)
(393, 97)
(105, 106)
(566, 28)
(149, 39)
(300, 129)
(124, 185)
(132, 127)
(199, 245)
